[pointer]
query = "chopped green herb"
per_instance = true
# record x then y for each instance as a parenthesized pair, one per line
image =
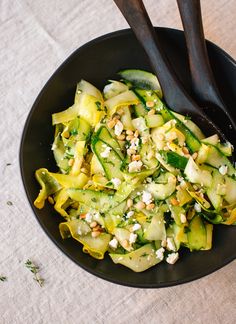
(74, 132)
(144, 254)
(98, 104)
(9, 203)
(3, 278)
(8, 164)
(94, 199)
(187, 229)
(34, 269)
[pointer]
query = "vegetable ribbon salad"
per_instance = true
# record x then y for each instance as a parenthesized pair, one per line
(136, 179)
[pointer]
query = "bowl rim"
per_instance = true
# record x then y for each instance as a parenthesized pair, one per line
(123, 282)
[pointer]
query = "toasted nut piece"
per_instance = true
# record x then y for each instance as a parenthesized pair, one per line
(95, 234)
(136, 133)
(125, 243)
(93, 224)
(163, 243)
(140, 205)
(121, 137)
(50, 200)
(136, 157)
(129, 203)
(174, 202)
(129, 132)
(111, 123)
(150, 104)
(84, 170)
(66, 134)
(97, 228)
(151, 112)
(194, 156)
(82, 216)
(120, 111)
(150, 206)
(129, 137)
(185, 150)
(71, 162)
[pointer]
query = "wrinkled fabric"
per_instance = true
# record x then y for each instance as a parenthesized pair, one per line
(36, 37)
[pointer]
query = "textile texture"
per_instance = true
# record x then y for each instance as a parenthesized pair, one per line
(36, 37)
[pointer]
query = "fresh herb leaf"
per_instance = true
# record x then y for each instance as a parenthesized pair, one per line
(34, 269)
(74, 132)
(98, 104)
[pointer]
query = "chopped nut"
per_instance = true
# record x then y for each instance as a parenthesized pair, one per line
(129, 137)
(111, 123)
(129, 203)
(129, 132)
(93, 224)
(120, 111)
(82, 216)
(71, 162)
(185, 150)
(125, 243)
(140, 205)
(151, 112)
(136, 157)
(174, 202)
(66, 134)
(95, 234)
(150, 206)
(121, 137)
(97, 228)
(194, 156)
(50, 200)
(84, 170)
(136, 133)
(150, 104)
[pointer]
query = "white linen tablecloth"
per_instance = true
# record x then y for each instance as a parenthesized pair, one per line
(36, 37)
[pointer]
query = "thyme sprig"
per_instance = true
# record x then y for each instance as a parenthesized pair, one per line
(35, 270)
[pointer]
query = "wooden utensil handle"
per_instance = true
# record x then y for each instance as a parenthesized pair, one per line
(203, 81)
(137, 17)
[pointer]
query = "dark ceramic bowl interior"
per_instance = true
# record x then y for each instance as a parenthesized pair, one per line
(96, 62)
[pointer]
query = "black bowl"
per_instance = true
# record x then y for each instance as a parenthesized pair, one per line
(96, 62)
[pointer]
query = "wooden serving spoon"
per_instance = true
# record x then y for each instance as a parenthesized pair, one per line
(204, 85)
(175, 95)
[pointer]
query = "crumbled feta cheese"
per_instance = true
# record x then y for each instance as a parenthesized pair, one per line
(135, 166)
(118, 128)
(147, 197)
(172, 258)
(132, 238)
(197, 207)
(106, 152)
(130, 214)
(223, 169)
(170, 244)
(183, 218)
(113, 243)
(116, 182)
(88, 217)
(160, 253)
(136, 227)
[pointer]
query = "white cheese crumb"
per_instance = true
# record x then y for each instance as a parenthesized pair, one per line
(132, 238)
(113, 243)
(135, 166)
(136, 227)
(88, 217)
(172, 258)
(130, 214)
(183, 218)
(106, 152)
(118, 128)
(223, 169)
(160, 253)
(197, 207)
(147, 197)
(116, 182)
(170, 244)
